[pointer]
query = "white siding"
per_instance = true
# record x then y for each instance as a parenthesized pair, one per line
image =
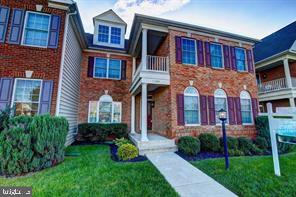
(70, 86)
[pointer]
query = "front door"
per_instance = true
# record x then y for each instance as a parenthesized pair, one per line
(149, 115)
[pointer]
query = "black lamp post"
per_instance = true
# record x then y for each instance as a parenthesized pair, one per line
(222, 114)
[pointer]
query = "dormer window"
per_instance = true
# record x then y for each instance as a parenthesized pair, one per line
(115, 35)
(103, 35)
(109, 35)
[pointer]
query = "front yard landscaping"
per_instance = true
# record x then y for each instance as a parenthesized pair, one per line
(93, 173)
(253, 175)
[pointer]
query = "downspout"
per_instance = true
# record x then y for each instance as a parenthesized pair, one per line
(62, 63)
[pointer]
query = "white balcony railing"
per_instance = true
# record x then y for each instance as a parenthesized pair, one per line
(157, 63)
(273, 85)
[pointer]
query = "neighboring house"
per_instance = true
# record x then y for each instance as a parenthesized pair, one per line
(275, 62)
(169, 78)
(40, 56)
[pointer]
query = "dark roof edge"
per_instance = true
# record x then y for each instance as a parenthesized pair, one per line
(167, 22)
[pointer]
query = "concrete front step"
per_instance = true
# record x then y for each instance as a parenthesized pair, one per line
(155, 144)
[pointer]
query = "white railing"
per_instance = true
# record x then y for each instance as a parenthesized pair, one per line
(157, 63)
(274, 85)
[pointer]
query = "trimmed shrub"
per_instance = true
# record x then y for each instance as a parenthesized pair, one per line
(232, 142)
(189, 145)
(4, 118)
(32, 143)
(127, 152)
(261, 143)
(209, 142)
(121, 141)
(235, 152)
(98, 132)
(247, 147)
(262, 128)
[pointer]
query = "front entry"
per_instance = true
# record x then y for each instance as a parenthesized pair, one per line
(149, 115)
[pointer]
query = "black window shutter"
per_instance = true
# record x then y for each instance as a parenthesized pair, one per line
(90, 69)
(123, 69)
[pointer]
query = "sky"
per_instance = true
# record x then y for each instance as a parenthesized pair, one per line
(252, 18)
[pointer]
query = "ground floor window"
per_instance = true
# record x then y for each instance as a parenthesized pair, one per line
(191, 106)
(246, 107)
(26, 96)
(104, 111)
(220, 103)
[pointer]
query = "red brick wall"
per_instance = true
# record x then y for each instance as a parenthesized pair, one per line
(16, 59)
(293, 68)
(206, 82)
(91, 89)
(275, 104)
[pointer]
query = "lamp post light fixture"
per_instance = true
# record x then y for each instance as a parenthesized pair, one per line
(222, 114)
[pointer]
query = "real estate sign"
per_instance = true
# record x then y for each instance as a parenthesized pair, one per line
(282, 128)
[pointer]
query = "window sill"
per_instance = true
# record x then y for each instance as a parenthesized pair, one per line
(195, 65)
(106, 78)
(242, 71)
(218, 68)
(248, 124)
(192, 125)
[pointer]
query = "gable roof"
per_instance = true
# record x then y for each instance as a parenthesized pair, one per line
(277, 42)
(109, 16)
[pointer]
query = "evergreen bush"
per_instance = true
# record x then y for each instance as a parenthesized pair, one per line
(189, 145)
(30, 144)
(209, 142)
(127, 152)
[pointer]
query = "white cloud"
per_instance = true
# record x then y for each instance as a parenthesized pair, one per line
(127, 8)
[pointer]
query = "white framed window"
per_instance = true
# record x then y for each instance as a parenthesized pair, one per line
(240, 55)
(109, 34)
(26, 96)
(191, 106)
(107, 68)
(189, 55)
(216, 55)
(220, 103)
(104, 111)
(36, 29)
(246, 108)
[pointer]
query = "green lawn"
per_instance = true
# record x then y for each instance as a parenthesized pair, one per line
(254, 176)
(93, 173)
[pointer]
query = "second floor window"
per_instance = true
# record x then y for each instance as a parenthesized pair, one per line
(107, 68)
(188, 51)
(216, 55)
(240, 59)
(103, 35)
(36, 29)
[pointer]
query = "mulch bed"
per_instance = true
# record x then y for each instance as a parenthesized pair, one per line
(200, 156)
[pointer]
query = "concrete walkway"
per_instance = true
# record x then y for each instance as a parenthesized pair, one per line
(186, 179)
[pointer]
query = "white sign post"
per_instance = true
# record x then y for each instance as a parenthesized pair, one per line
(280, 125)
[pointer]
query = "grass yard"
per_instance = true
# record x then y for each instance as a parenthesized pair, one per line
(254, 176)
(93, 173)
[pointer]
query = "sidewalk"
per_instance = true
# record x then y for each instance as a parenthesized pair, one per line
(185, 178)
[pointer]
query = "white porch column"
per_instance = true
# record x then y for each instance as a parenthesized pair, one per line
(144, 113)
(287, 73)
(144, 49)
(292, 102)
(133, 114)
(134, 65)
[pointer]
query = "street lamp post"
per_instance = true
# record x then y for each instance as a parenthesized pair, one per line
(222, 114)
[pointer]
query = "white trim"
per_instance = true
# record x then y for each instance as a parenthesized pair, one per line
(107, 72)
(25, 79)
(62, 65)
(246, 96)
(109, 25)
(195, 46)
(198, 105)
(24, 29)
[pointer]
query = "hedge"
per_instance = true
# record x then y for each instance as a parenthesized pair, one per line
(209, 142)
(30, 144)
(99, 132)
(262, 128)
(189, 145)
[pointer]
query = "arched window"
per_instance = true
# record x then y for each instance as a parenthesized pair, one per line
(105, 110)
(191, 106)
(246, 107)
(220, 102)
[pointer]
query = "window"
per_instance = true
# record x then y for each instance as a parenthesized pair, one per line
(246, 107)
(240, 59)
(109, 35)
(216, 55)
(191, 106)
(103, 35)
(104, 110)
(115, 35)
(26, 96)
(36, 29)
(188, 51)
(107, 68)
(220, 102)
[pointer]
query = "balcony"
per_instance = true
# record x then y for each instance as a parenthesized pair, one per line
(156, 71)
(277, 89)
